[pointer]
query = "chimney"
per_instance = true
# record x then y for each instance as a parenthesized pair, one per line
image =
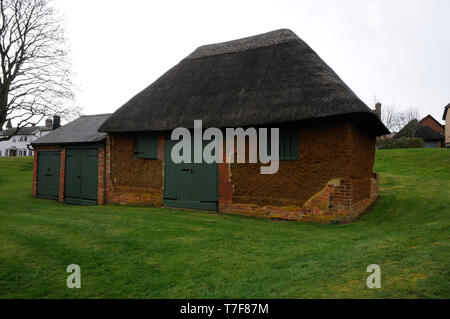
(56, 121)
(378, 109)
(9, 125)
(48, 123)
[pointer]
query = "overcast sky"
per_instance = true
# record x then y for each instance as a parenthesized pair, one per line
(395, 51)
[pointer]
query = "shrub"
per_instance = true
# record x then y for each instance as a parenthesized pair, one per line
(403, 142)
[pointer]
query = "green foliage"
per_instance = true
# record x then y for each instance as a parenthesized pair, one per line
(402, 142)
(144, 252)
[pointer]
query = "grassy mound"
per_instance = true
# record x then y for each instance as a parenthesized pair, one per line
(144, 252)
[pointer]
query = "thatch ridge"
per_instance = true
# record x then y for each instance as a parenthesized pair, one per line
(253, 42)
(271, 78)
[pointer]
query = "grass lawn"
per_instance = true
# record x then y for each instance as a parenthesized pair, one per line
(142, 252)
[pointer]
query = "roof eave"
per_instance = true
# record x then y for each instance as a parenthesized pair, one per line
(379, 130)
(70, 143)
(445, 112)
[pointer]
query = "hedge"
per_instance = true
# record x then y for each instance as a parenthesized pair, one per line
(403, 142)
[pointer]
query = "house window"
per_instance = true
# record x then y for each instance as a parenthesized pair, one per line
(147, 145)
(0, 153)
(288, 142)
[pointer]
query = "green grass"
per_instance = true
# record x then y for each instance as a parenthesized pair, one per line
(142, 252)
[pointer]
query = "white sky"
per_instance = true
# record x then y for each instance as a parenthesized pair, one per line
(397, 51)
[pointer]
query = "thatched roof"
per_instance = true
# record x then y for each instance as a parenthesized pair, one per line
(269, 78)
(82, 130)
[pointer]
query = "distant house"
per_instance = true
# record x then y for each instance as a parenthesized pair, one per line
(19, 144)
(432, 123)
(430, 137)
(446, 118)
(428, 129)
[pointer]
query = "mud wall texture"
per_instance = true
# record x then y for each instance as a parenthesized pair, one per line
(324, 154)
(362, 160)
(331, 181)
(132, 180)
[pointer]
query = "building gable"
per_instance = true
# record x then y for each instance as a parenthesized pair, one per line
(432, 123)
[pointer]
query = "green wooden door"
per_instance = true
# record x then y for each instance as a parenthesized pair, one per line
(48, 175)
(72, 186)
(189, 185)
(81, 176)
(89, 180)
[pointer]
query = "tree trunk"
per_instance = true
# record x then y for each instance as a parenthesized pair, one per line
(3, 105)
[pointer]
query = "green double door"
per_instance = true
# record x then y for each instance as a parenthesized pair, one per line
(81, 176)
(189, 185)
(48, 174)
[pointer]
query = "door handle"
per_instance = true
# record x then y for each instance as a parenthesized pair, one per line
(48, 175)
(80, 177)
(187, 170)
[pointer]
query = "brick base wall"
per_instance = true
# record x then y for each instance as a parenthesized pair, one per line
(101, 179)
(334, 203)
(225, 186)
(135, 196)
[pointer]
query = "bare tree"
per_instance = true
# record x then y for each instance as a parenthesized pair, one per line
(389, 117)
(404, 117)
(35, 72)
(395, 120)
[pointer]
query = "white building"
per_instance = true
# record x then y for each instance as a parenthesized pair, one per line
(20, 143)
